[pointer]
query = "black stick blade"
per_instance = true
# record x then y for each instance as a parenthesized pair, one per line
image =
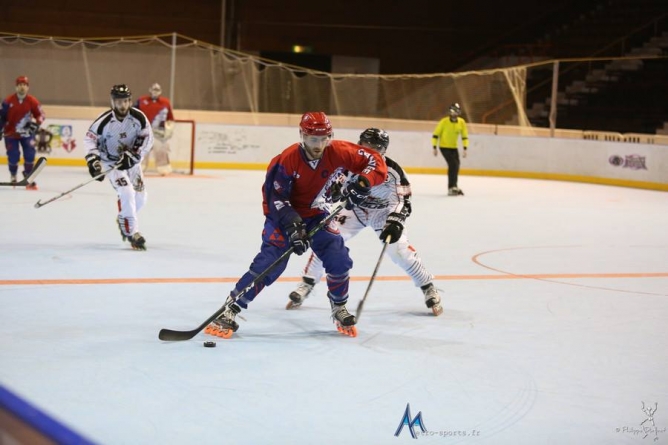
(171, 335)
(38, 167)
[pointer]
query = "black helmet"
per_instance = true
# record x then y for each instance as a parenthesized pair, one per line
(455, 109)
(120, 92)
(375, 138)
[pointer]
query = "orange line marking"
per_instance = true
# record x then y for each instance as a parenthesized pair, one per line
(202, 280)
(553, 278)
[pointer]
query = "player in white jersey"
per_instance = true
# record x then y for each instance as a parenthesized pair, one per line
(385, 211)
(121, 137)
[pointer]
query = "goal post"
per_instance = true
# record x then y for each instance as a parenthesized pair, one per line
(181, 149)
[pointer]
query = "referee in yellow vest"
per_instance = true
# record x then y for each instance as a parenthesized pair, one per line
(445, 137)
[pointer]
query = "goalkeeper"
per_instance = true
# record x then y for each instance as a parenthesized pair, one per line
(159, 112)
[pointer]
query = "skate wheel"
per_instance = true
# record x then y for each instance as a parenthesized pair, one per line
(292, 305)
(224, 333)
(437, 310)
(217, 332)
(350, 331)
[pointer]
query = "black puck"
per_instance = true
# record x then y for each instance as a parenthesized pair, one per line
(209, 344)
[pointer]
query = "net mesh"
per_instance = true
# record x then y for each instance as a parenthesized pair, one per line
(180, 149)
(198, 76)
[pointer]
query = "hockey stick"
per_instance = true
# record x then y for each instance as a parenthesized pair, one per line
(39, 203)
(172, 335)
(39, 166)
(373, 277)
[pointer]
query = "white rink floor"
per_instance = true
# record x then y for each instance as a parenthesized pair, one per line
(554, 332)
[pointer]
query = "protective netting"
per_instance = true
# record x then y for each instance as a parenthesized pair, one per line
(199, 76)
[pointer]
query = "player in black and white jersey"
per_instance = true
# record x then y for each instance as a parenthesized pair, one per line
(385, 211)
(121, 137)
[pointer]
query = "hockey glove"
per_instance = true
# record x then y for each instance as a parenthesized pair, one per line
(337, 192)
(356, 192)
(394, 227)
(139, 141)
(408, 207)
(32, 127)
(298, 237)
(94, 166)
(128, 160)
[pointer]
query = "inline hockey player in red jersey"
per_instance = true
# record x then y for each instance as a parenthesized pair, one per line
(158, 110)
(297, 195)
(20, 117)
(385, 211)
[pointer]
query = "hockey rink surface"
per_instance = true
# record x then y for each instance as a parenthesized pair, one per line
(554, 331)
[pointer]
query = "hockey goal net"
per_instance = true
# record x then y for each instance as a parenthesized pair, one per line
(181, 149)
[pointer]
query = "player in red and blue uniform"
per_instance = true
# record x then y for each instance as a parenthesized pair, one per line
(297, 196)
(158, 110)
(20, 116)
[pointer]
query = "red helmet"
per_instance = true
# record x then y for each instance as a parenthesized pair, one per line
(22, 79)
(315, 124)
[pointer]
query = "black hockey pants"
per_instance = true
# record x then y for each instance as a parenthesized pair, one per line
(451, 156)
